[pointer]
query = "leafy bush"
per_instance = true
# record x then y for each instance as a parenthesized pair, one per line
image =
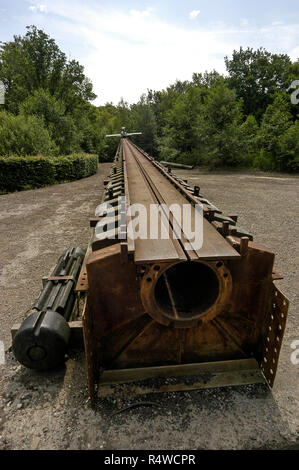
(219, 128)
(17, 173)
(73, 167)
(20, 135)
(263, 161)
(249, 138)
(277, 137)
(289, 149)
(51, 112)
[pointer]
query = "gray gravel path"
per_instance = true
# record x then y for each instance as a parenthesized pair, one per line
(51, 410)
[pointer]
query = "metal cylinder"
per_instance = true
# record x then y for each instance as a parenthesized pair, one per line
(42, 340)
(184, 293)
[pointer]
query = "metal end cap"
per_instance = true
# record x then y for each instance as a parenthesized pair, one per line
(42, 340)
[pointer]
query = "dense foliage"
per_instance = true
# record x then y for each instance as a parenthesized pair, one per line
(17, 173)
(237, 120)
(245, 118)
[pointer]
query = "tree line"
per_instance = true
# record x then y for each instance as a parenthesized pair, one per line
(243, 119)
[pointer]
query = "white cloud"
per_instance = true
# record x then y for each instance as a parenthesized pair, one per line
(38, 8)
(126, 52)
(194, 14)
(294, 54)
(244, 21)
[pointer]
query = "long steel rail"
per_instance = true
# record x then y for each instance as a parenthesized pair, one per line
(148, 183)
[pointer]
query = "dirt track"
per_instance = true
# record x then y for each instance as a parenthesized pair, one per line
(51, 410)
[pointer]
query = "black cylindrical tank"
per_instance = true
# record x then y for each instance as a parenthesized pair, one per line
(42, 340)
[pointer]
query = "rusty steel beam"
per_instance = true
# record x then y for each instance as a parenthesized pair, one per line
(154, 304)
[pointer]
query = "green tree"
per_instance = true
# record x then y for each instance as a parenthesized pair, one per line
(275, 123)
(180, 134)
(143, 119)
(219, 128)
(207, 79)
(163, 101)
(256, 75)
(35, 61)
(249, 133)
(92, 130)
(52, 112)
(75, 88)
(24, 135)
(293, 76)
(110, 123)
(289, 149)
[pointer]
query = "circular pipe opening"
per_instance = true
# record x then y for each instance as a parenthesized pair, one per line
(186, 290)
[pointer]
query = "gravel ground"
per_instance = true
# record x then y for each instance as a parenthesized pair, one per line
(51, 410)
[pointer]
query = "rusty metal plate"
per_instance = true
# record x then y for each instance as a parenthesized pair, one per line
(180, 378)
(274, 331)
(82, 284)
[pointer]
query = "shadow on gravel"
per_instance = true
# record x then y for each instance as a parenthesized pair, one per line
(33, 388)
(243, 417)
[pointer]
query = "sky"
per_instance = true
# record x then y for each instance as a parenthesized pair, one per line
(128, 47)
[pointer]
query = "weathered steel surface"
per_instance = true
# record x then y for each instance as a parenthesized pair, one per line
(152, 303)
(177, 165)
(275, 322)
(147, 185)
(141, 192)
(180, 378)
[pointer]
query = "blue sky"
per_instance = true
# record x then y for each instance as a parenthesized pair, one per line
(127, 47)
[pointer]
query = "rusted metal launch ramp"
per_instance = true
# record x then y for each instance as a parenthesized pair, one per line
(156, 309)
